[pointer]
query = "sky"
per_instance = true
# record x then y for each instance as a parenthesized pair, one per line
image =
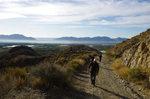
(78, 18)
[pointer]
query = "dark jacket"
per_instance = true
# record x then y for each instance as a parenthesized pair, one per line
(94, 67)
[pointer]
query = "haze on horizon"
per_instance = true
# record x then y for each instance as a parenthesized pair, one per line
(78, 18)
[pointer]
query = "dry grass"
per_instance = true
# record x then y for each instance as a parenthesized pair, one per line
(84, 57)
(5, 87)
(147, 71)
(136, 75)
(17, 75)
(13, 78)
(76, 63)
(123, 72)
(120, 69)
(94, 54)
(44, 76)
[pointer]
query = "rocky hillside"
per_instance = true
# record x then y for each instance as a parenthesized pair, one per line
(135, 52)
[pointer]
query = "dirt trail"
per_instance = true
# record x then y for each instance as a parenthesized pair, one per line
(108, 85)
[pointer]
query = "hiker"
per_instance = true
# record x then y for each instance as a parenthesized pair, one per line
(93, 69)
(92, 58)
(100, 57)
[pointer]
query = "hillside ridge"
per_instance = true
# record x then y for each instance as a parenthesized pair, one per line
(134, 52)
(16, 37)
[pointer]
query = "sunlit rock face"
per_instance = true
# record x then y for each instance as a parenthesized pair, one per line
(138, 55)
(134, 52)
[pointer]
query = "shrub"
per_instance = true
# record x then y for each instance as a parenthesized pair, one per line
(5, 87)
(84, 57)
(13, 78)
(136, 74)
(36, 83)
(93, 53)
(110, 56)
(16, 72)
(19, 82)
(120, 69)
(123, 72)
(17, 75)
(146, 84)
(117, 64)
(147, 72)
(76, 63)
(45, 76)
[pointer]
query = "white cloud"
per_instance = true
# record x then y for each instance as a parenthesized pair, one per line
(129, 20)
(126, 11)
(12, 0)
(10, 15)
(77, 26)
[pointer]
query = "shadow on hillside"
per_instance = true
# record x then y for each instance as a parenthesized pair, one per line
(113, 93)
(81, 75)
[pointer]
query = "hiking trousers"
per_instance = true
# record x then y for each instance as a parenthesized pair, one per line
(93, 77)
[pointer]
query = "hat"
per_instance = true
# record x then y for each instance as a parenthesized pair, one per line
(94, 60)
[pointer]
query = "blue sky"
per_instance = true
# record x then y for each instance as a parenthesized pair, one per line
(79, 18)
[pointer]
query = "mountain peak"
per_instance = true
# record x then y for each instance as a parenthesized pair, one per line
(98, 38)
(16, 37)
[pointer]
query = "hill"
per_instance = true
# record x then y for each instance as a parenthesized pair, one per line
(134, 52)
(22, 56)
(16, 37)
(91, 39)
(19, 56)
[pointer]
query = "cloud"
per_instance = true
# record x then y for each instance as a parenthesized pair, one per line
(10, 15)
(12, 0)
(75, 26)
(129, 20)
(77, 11)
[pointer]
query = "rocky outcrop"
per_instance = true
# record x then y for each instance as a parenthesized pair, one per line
(134, 52)
(138, 55)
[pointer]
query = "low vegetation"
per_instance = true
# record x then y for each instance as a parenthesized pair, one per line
(41, 72)
(102, 47)
(136, 75)
(120, 69)
(13, 78)
(44, 76)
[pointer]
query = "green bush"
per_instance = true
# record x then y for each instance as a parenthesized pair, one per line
(44, 76)
(16, 72)
(18, 76)
(84, 57)
(5, 86)
(76, 63)
(136, 74)
(12, 78)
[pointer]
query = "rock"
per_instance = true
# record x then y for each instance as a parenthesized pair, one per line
(140, 89)
(134, 52)
(138, 55)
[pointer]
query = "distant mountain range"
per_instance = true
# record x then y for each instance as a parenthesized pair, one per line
(16, 37)
(98, 38)
(91, 39)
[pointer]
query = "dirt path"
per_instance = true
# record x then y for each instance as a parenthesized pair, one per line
(108, 85)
